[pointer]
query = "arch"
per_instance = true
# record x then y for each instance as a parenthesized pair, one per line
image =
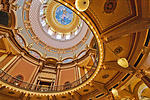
(82, 53)
(20, 40)
(67, 60)
(35, 54)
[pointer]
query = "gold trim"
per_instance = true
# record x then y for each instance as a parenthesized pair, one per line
(54, 24)
(101, 55)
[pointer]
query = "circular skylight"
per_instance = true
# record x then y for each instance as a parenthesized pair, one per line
(63, 17)
(49, 37)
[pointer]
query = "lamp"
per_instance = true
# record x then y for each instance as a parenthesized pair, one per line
(82, 5)
(115, 92)
(123, 62)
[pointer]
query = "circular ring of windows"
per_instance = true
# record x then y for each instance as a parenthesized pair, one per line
(53, 33)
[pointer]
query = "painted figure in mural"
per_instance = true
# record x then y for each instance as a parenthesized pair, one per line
(64, 15)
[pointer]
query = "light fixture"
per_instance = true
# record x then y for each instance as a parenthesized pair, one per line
(115, 92)
(123, 62)
(82, 5)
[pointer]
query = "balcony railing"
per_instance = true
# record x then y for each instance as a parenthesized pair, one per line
(5, 77)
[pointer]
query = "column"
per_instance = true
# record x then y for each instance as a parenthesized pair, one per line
(38, 85)
(85, 70)
(52, 84)
(79, 74)
(35, 78)
(35, 75)
(76, 71)
(93, 59)
(57, 75)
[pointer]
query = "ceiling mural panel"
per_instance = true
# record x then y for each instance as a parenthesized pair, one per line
(122, 11)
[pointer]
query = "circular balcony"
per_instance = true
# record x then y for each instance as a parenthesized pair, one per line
(18, 83)
(81, 47)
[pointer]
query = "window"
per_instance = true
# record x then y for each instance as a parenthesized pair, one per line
(67, 36)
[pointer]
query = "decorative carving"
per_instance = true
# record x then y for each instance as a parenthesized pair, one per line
(105, 76)
(63, 97)
(110, 6)
(67, 85)
(15, 7)
(35, 54)
(20, 40)
(11, 92)
(85, 90)
(30, 45)
(118, 50)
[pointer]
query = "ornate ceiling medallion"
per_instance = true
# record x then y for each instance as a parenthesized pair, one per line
(110, 6)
